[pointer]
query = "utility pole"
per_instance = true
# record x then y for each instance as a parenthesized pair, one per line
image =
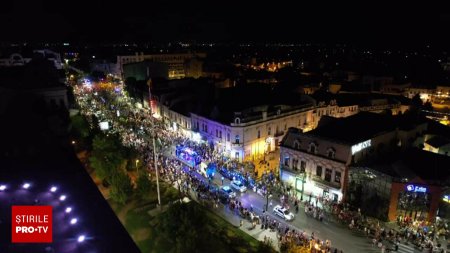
(156, 169)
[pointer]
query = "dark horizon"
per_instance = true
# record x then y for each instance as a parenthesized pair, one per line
(99, 21)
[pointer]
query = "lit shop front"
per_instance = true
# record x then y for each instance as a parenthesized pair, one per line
(311, 186)
(415, 201)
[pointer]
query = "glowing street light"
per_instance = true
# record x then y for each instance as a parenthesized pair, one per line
(73, 221)
(81, 238)
(68, 210)
(53, 189)
(62, 197)
(2, 187)
(26, 186)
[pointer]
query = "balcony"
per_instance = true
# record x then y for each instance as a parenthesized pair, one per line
(324, 182)
(292, 170)
(237, 145)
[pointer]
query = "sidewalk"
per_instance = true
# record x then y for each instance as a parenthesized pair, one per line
(257, 233)
(234, 219)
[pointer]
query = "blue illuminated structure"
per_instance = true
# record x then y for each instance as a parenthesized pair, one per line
(416, 188)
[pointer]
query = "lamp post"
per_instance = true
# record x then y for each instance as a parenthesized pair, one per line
(302, 174)
(156, 169)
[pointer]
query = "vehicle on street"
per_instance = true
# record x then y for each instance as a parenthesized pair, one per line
(237, 185)
(283, 213)
(226, 190)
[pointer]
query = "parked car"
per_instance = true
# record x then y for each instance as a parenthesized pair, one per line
(237, 185)
(283, 213)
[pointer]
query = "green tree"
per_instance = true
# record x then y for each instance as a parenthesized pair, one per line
(80, 126)
(107, 155)
(144, 186)
(185, 226)
(121, 187)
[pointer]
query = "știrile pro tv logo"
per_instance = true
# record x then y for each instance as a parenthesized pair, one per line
(31, 224)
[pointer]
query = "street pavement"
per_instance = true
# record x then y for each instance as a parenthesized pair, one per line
(342, 238)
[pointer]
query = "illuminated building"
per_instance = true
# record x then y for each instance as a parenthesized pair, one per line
(254, 131)
(175, 62)
(321, 157)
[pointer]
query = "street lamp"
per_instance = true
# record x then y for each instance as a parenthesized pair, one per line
(303, 180)
(156, 169)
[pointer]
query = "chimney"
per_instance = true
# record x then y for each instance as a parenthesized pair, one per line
(264, 115)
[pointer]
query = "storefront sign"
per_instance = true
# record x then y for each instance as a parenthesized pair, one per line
(446, 198)
(360, 146)
(415, 188)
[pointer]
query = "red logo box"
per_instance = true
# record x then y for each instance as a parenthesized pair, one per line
(32, 224)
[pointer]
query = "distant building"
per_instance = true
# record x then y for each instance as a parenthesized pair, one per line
(321, 157)
(437, 144)
(175, 62)
(105, 67)
(17, 59)
(193, 68)
(145, 70)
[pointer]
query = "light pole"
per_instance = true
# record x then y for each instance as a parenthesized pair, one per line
(156, 169)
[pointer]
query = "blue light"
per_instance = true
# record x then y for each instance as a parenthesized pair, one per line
(416, 188)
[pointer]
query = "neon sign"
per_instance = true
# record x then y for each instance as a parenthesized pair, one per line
(416, 188)
(360, 146)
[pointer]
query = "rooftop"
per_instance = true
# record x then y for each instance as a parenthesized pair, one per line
(354, 129)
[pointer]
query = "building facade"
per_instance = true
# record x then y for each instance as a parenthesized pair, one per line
(316, 163)
(175, 62)
(250, 137)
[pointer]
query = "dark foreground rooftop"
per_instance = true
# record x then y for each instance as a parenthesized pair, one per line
(95, 219)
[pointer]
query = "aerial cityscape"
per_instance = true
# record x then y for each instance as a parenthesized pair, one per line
(231, 127)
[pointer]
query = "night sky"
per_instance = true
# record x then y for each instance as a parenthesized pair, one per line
(131, 20)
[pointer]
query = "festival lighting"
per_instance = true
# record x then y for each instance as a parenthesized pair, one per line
(62, 197)
(26, 185)
(53, 189)
(68, 209)
(2, 187)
